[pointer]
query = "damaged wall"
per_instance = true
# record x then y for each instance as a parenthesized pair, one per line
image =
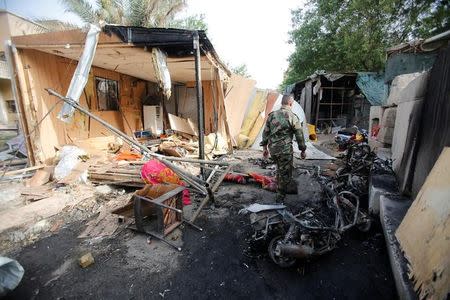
(38, 70)
(434, 131)
(213, 102)
(424, 234)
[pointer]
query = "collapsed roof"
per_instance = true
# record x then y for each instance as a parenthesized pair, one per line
(124, 49)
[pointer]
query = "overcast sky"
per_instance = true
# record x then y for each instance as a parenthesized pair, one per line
(250, 32)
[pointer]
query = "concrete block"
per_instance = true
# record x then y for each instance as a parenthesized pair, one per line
(407, 114)
(393, 209)
(385, 135)
(380, 184)
(388, 118)
(407, 87)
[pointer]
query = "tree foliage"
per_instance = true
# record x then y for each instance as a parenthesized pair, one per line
(193, 22)
(241, 70)
(145, 13)
(349, 35)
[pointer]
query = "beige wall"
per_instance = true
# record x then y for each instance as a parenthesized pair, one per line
(12, 25)
(6, 118)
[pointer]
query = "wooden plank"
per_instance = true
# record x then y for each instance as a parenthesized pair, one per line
(41, 176)
(424, 234)
(21, 171)
(95, 145)
(182, 125)
(60, 39)
(237, 97)
(224, 116)
(104, 225)
(23, 100)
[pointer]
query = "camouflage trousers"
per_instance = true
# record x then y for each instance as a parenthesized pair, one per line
(284, 162)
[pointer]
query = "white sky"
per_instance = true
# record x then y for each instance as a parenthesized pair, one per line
(254, 32)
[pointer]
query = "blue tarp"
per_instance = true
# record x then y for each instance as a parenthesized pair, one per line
(372, 86)
(405, 63)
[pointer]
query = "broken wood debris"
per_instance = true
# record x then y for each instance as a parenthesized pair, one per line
(128, 175)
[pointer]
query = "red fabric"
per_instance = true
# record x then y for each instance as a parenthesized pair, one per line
(155, 172)
(235, 178)
(375, 130)
(267, 182)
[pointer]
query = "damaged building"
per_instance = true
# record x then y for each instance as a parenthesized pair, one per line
(122, 86)
(332, 99)
(138, 220)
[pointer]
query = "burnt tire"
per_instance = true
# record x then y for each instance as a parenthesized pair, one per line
(284, 262)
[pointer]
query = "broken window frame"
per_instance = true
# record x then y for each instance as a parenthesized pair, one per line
(111, 102)
(11, 106)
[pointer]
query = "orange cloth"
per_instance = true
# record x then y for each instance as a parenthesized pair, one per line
(128, 155)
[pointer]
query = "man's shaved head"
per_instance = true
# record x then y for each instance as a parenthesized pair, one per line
(287, 99)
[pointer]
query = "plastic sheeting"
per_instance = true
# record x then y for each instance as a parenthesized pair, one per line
(372, 86)
(81, 75)
(69, 159)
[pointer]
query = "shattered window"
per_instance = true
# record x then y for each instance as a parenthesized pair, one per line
(107, 93)
(11, 106)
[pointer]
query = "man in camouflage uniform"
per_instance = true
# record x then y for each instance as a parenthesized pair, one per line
(280, 127)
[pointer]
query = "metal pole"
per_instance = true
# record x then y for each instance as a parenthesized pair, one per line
(200, 119)
(195, 182)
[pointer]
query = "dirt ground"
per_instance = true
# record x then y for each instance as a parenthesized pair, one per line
(214, 263)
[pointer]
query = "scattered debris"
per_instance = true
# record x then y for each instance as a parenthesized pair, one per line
(86, 260)
(164, 293)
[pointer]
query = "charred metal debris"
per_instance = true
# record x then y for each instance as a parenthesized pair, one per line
(320, 225)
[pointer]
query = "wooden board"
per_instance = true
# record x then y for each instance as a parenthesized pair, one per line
(95, 145)
(237, 97)
(424, 234)
(41, 176)
(181, 125)
(104, 225)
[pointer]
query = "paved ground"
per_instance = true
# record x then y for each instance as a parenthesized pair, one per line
(211, 265)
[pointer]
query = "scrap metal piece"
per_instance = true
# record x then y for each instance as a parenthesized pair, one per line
(256, 207)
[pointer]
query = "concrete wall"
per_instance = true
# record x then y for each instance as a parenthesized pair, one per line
(13, 25)
(6, 117)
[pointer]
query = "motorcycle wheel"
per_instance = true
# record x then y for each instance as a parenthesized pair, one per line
(284, 262)
(365, 226)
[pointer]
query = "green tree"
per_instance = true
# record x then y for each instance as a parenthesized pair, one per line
(241, 70)
(193, 22)
(349, 35)
(146, 13)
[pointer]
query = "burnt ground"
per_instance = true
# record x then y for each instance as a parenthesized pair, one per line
(212, 264)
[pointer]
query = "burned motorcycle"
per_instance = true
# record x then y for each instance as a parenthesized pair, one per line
(312, 232)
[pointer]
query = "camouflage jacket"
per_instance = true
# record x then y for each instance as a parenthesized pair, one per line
(280, 127)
